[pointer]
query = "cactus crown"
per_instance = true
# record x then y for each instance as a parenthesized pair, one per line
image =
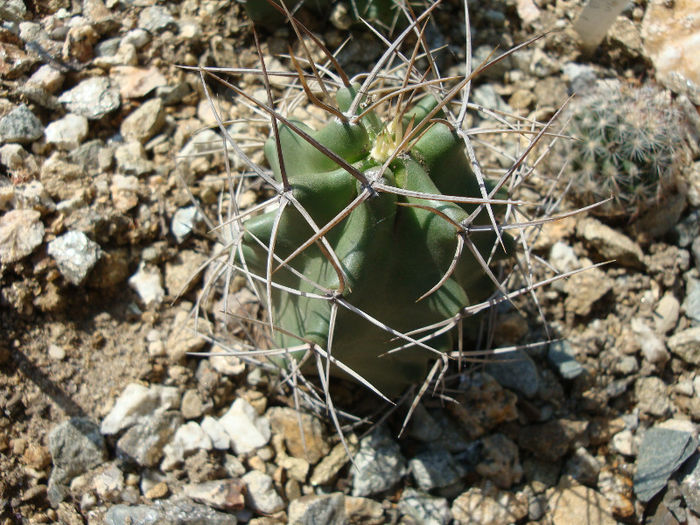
(379, 241)
(628, 147)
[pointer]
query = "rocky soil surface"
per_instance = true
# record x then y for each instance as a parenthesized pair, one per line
(105, 418)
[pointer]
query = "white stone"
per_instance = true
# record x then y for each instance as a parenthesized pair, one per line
(21, 231)
(261, 495)
(137, 401)
(217, 433)
(623, 443)
(67, 133)
(247, 430)
(147, 282)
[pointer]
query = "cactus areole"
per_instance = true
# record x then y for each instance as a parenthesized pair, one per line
(392, 249)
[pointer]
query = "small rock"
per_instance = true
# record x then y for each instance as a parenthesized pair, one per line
(20, 125)
(666, 313)
(424, 508)
(574, 504)
(75, 255)
(435, 469)
(686, 345)
(690, 483)
(137, 401)
(147, 282)
(109, 482)
(651, 396)
(188, 439)
(561, 356)
(183, 272)
(661, 453)
(610, 244)
(308, 442)
(585, 289)
(623, 443)
(551, 440)
(379, 464)
(582, 77)
(217, 433)
(192, 406)
(144, 442)
(691, 304)
(131, 159)
(227, 365)
(563, 257)
(516, 371)
(125, 192)
(180, 511)
(21, 231)
(157, 19)
(670, 34)
(56, 352)
(261, 495)
(67, 133)
(93, 98)
(312, 510)
(137, 82)
(488, 506)
(499, 461)
(184, 222)
(224, 494)
(329, 466)
(653, 348)
(247, 430)
(76, 446)
(157, 491)
(145, 122)
(184, 337)
(13, 61)
(583, 467)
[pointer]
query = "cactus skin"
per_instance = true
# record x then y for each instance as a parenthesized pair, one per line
(628, 148)
(391, 254)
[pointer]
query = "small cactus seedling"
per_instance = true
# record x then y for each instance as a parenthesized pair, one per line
(381, 237)
(628, 146)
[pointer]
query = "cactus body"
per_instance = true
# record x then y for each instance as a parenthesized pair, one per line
(390, 254)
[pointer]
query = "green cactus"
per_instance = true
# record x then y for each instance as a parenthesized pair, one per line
(629, 146)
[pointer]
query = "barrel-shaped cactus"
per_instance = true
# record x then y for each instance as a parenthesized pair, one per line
(379, 242)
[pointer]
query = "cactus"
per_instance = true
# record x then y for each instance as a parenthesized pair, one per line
(379, 243)
(629, 147)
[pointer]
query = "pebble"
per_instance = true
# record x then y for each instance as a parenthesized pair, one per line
(144, 122)
(184, 222)
(583, 467)
(424, 508)
(76, 446)
(326, 470)
(56, 352)
(489, 506)
(188, 439)
(623, 443)
(690, 483)
(561, 356)
(132, 160)
(93, 98)
(191, 406)
(308, 442)
(173, 510)
(652, 397)
(610, 244)
(75, 254)
(108, 482)
(227, 365)
(144, 442)
(157, 19)
(652, 347)
(312, 509)
(20, 125)
(691, 304)
(137, 401)
(247, 430)
(379, 464)
(147, 282)
(183, 272)
(225, 494)
(666, 313)
(550, 441)
(137, 82)
(67, 133)
(434, 469)
(661, 453)
(563, 257)
(125, 192)
(686, 345)
(499, 461)
(185, 337)
(516, 371)
(261, 495)
(217, 433)
(21, 232)
(585, 289)
(574, 504)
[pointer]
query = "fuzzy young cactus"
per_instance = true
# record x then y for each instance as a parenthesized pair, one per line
(629, 146)
(379, 242)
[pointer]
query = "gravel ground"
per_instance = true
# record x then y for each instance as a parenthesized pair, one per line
(105, 418)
